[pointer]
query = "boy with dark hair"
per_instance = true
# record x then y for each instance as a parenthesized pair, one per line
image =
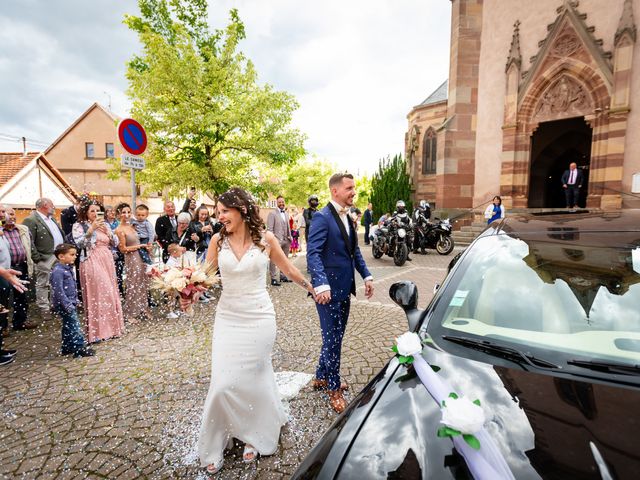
(145, 231)
(64, 301)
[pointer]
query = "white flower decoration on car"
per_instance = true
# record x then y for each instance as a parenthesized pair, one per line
(462, 415)
(409, 344)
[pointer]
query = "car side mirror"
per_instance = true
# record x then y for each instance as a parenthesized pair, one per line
(405, 294)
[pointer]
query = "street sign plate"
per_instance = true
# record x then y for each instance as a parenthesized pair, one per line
(131, 161)
(132, 136)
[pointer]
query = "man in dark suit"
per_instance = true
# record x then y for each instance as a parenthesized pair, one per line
(68, 217)
(333, 256)
(166, 229)
(46, 235)
(572, 183)
(367, 220)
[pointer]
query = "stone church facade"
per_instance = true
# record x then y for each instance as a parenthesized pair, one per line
(532, 87)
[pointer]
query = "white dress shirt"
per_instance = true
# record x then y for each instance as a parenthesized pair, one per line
(53, 228)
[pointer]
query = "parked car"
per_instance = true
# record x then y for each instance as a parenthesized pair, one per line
(539, 319)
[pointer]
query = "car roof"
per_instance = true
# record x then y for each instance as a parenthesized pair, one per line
(565, 226)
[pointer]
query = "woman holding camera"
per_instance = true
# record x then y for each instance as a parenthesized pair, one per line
(94, 239)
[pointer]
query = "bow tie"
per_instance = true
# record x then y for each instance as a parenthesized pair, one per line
(343, 211)
(281, 211)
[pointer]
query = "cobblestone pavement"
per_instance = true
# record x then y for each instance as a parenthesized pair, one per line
(133, 410)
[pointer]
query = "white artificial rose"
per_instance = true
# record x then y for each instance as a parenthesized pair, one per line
(178, 283)
(198, 276)
(463, 415)
(409, 344)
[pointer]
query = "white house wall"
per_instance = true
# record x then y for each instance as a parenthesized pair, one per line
(25, 193)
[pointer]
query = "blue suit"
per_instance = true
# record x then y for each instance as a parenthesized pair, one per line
(332, 258)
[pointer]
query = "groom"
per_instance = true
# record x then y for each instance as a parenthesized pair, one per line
(332, 256)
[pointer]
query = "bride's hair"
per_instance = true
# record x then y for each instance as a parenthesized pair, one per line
(242, 201)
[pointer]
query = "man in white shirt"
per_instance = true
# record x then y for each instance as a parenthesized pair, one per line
(572, 183)
(46, 235)
(278, 224)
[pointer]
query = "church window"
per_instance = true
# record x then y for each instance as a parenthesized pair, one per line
(429, 150)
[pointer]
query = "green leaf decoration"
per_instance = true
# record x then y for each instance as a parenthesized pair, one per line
(435, 368)
(443, 404)
(403, 359)
(395, 348)
(448, 432)
(477, 402)
(472, 441)
(453, 395)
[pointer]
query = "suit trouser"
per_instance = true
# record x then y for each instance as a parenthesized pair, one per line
(333, 322)
(366, 234)
(273, 269)
(20, 301)
(572, 192)
(42, 271)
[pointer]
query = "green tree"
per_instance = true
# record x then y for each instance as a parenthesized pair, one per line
(296, 182)
(389, 184)
(363, 188)
(208, 121)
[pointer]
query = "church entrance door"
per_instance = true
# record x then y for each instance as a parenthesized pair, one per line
(554, 145)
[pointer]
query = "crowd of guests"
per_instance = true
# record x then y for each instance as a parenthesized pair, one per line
(98, 258)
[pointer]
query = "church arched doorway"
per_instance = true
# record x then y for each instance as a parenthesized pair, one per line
(554, 145)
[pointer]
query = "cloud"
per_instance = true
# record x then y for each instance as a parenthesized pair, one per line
(356, 67)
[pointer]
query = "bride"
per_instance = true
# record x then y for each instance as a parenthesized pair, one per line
(243, 400)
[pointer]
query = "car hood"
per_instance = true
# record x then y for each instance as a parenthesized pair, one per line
(542, 423)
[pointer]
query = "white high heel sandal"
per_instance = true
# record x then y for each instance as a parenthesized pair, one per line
(212, 468)
(249, 451)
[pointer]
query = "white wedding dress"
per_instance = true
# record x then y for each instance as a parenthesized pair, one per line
(243, 400)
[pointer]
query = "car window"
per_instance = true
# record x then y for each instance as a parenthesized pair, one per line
(560, 295)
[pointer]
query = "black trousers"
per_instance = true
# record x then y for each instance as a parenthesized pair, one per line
(19, 303)
(366, 234)
(572, 193)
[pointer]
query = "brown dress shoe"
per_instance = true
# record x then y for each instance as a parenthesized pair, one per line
(337, 401)
(319, 384)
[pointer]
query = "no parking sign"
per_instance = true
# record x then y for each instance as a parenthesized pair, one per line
(132, 136)
(134, 140)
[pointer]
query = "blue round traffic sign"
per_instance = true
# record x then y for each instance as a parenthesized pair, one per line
(132, 136)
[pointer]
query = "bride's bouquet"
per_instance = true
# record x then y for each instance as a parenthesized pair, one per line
(188, 282)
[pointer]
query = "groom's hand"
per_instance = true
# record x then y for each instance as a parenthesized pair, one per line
(368, 289)
(324, 297)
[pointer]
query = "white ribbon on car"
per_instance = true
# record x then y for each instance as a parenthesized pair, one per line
(484, 464)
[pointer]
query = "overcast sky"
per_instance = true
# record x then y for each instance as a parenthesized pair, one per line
(356, 67)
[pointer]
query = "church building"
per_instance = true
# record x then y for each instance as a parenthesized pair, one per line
(532, 87)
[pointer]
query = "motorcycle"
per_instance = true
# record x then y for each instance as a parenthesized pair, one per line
(392, 239)
(436, 234)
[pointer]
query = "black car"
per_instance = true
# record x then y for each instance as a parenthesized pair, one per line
(539, 319)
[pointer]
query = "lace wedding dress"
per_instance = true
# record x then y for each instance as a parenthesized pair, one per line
(243, 400)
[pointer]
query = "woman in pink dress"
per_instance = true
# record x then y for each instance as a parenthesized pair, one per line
(102, 309)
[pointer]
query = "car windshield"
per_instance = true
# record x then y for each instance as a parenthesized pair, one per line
(581, 298)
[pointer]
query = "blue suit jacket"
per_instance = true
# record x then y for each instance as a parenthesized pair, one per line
(332, 256)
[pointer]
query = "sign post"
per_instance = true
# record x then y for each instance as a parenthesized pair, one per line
(133, 139)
